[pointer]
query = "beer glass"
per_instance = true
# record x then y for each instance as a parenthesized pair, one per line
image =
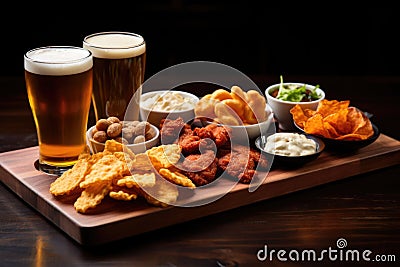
(59, 84)
(119, 60)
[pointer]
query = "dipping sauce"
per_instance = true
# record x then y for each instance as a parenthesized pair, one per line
(169, 101)
(290, 144)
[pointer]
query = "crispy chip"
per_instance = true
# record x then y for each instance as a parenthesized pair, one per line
(226, 115)
(334, 119)
(298, 116)
(121, 195)
(309, 112)
(142, 162)
(106, 169)
(327, 107)
(205, 107)
(356, 119)
(92, 196)
(337, 121)
(220, 94)
(315, 125)
(361, 126)
(138, 180)
(164, 156)
(127, 161)
(365, 131)
(68, 183)
(176, 178)
(329, 131)
(163, 194)
(85, 154)
(256, 103)
(238, 93)
(120, 174)
(112, 146)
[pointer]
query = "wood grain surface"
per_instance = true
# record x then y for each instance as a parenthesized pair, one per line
(115, 220)
(363, 208)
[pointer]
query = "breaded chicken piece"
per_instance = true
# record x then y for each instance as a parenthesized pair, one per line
(170, 130)
(241, 162)
(200, 168)
(219, 134)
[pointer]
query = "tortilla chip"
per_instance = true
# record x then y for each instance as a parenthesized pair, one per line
(327, 107)
(298, 116)
(335, 120)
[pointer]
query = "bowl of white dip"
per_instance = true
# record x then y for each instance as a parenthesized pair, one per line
(171, 104)
(290, 147)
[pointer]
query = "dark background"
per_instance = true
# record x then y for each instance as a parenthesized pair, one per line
(253, 37)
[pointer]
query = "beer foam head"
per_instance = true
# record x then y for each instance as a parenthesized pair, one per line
(58, 60)
(115, 45)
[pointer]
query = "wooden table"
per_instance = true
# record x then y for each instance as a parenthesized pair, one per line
(362, 209)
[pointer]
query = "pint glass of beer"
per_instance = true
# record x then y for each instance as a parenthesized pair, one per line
(119, 60)
(59, 85)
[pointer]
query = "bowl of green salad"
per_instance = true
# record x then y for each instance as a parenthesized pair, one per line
(283, 96)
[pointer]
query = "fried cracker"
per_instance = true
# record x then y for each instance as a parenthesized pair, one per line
(127, 161)
(142, 162)
(176, 178)
(92, 196)
(163, 194)
(121, 195)
(68, 183)
(164, 156)
(138, 180)
(112, 146)
(105, 169)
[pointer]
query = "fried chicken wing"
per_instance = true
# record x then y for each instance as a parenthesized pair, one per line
(241, 162)
(200, 168)
(170, 130)
(193, 141)
(219, 134)
(218, 153)
(190, 144)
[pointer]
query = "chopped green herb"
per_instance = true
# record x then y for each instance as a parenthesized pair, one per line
(294, 93)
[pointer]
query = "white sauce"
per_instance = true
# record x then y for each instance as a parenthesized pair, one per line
(290, 144)
(169, 101)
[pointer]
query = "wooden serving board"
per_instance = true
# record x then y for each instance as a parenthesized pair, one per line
(117, 219)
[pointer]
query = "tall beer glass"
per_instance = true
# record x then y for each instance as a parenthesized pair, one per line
(59, 85)
(119, 60)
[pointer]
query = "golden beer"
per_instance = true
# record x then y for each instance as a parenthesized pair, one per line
(119, 60)
(59, 86)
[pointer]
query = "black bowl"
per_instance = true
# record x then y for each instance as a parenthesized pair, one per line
(347, 145)
(291, 160)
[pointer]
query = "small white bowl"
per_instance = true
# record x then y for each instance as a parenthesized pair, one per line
(155, 116)
(282, 108)
(135, 148)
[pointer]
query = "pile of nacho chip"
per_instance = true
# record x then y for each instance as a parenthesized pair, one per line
(122, 175)
(333, 119)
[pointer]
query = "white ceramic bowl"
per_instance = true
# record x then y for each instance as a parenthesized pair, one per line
(281, 109)
(155, 116)
(135, 148)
